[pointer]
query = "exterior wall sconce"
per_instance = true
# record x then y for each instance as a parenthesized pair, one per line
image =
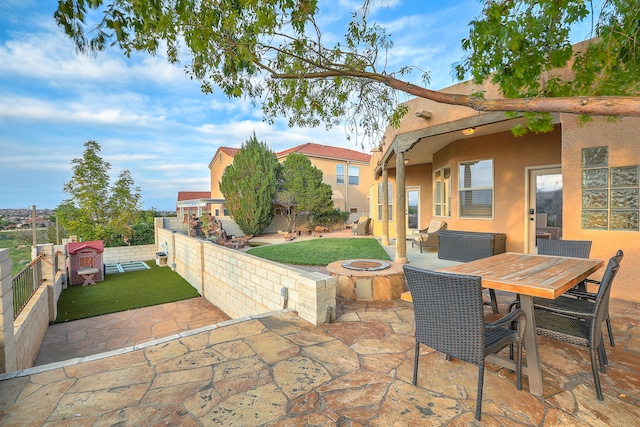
(468, 131)
(424, 114)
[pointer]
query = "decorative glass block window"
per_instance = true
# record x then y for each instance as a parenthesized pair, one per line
(380, 201)
(442, 192)
(610, 196)
(624, 202)
(475, 189)
(339, 174)
(595, 157)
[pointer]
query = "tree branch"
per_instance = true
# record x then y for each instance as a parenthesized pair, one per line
(626, 106)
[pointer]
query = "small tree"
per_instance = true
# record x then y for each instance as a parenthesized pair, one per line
(96, 210)
(249, 185)
(300, 189)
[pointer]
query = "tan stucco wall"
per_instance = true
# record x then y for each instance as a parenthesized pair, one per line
(355, 196)
(623, 141)
(216, 169)
(511, 156)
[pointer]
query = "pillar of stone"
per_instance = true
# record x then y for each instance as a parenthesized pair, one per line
(385, 207)
(401, 221)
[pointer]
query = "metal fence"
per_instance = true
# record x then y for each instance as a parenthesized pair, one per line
(26, 283)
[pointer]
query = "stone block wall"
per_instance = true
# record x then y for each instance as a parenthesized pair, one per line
(30, 328)
(7, 339)
(242, 285)
(20, 339)
(129, 253)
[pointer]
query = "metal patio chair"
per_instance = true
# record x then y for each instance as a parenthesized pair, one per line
(449, 317)
(428, 238)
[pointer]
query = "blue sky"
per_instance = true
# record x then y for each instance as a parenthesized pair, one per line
(147, 115)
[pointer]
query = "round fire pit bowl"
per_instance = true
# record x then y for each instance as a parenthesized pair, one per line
(368, 279)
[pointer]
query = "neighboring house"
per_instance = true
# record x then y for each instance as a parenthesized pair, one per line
(347, 171)
(217, 165)
(466, 168)
(193, 203)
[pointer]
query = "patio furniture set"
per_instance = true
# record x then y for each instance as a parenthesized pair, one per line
(555, 299)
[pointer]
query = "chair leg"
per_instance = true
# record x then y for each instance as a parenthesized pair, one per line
(610, 330)
(602, 357)
(479, 398)
(519, 366)
(416, 357)
(494, 301)
(596, 376)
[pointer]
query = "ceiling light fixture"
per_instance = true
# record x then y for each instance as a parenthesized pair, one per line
(468, 131)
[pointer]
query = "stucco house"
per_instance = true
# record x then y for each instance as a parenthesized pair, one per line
(192, 203)
(346, 171)
(466, 168)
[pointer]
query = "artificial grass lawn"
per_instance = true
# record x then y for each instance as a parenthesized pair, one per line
(321, 251)
(123, 291)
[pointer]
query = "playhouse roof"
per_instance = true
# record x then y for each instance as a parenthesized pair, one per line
(97, 245)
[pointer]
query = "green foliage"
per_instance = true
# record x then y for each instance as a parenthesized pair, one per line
(268, 50)
(328, 218)
(96, 210)
(19, 245)
(301, 189)
(275, 52)
(124, 291)
(249, 185)
(521, 45)
(321, 251)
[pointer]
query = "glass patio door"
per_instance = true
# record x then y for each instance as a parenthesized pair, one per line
(413, 209)
(545, 206)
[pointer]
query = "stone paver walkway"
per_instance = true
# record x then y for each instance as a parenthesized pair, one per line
(279, 370)
(84, 337)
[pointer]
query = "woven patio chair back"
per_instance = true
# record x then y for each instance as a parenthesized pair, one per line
(572, 248)
(449, 314)
(449, 317)
(580, 327)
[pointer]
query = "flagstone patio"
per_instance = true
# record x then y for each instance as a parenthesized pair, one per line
(279, 370)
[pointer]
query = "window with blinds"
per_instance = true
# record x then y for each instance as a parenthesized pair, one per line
(475, 189)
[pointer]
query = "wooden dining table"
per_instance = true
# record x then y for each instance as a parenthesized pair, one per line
(529, 276)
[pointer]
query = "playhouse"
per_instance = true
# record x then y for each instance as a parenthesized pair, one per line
(85, 262)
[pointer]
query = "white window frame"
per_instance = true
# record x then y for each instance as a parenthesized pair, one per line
(445, 195)
(339, 175)
(462, 189)
(354, 172)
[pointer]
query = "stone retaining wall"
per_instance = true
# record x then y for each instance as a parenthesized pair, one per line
(244, 285)
(129, 253)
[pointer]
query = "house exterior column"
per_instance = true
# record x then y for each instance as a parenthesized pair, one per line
(401, 226)
(385, 207)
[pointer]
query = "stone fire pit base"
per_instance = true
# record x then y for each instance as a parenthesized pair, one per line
(368, 284)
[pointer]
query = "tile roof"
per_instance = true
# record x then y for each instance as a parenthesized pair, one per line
(229, 151)
(97, 245)
(318, 150)
(193, 195)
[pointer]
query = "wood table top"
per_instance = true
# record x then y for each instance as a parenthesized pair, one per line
(528, 274)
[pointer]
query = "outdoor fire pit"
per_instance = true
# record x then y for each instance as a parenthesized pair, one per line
(368, 279)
